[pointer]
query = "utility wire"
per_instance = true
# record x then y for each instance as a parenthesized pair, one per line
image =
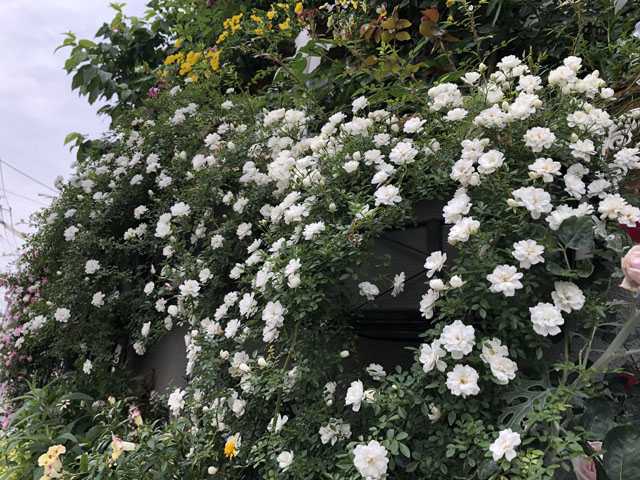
(28, 176)
(26, 198)
(4, 192)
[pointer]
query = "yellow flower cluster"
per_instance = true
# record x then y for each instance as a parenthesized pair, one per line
(211, 58)
(231, 25)
(187, 63)
(51, 463)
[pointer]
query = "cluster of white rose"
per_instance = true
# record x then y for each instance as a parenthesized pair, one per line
(290, 165)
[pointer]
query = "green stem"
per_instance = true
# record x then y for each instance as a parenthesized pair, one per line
(632, 323)
(284, 369)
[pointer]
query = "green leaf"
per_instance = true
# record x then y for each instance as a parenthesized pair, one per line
(86, 43)
(525, 396)
(404, 450)
(576, 232)
(71, 137)
(597, 417)
(77, 396)
(486, 469)
(622, 455)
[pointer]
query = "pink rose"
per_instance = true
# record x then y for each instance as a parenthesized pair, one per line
(631, 270)
(586, 470)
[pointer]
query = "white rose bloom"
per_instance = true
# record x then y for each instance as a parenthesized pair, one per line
(350, 166)
(98, 299)
(70, 233)
(462, 230)
(176, 401)
(574, 186)
(458, 339)
(359, 103)
(248, 306)
(456, 281)
(355, 395)
(546, 319)
(505, 279)
(180, 209)
(398, 284)
(427, 302)
(87, 366)
(463, 381)
(430, 357)
(492, 349)
(536, 200)
(539, 138)
(371, 460)
(583, 149)
(277, 422)
(381, 139)
(503, 368)
(505, 445)
(273, 314)
(455, 115)
(491, 161)
(369, 290)
(471, 77)
(148, 288)
(139, 348)
(387, 195)
(376, 371)
(216, 241)
(528, 252)
(62, 315)
(204, 275)
(435, 262)
(243, 230)
(403, 153)
(190, 288)
(545, 168)
(413, 125)
(567, 296)
(457, 207)
(434, 413)
(146, 328)
(285, 459)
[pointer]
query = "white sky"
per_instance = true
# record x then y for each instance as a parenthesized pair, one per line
(37, 107)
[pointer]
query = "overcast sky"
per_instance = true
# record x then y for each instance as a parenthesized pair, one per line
(37, 107)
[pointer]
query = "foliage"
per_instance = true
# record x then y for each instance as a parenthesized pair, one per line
(243, 206)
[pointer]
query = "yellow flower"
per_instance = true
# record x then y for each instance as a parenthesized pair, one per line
(215, 59)
(284, 25)
(258, 31)
(299, 7)
(51, 463)
(194, 77)
(256, 18)
(230, 448)
(119, 446)
(222, 36)
(450, 3)
(271, 13)
(178, 43)
(170, 59)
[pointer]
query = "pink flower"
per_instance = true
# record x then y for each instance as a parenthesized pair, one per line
(586, 470)
(631, 270)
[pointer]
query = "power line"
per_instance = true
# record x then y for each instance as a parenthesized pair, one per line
(4, 191)
(28, 176)
(26, 198)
